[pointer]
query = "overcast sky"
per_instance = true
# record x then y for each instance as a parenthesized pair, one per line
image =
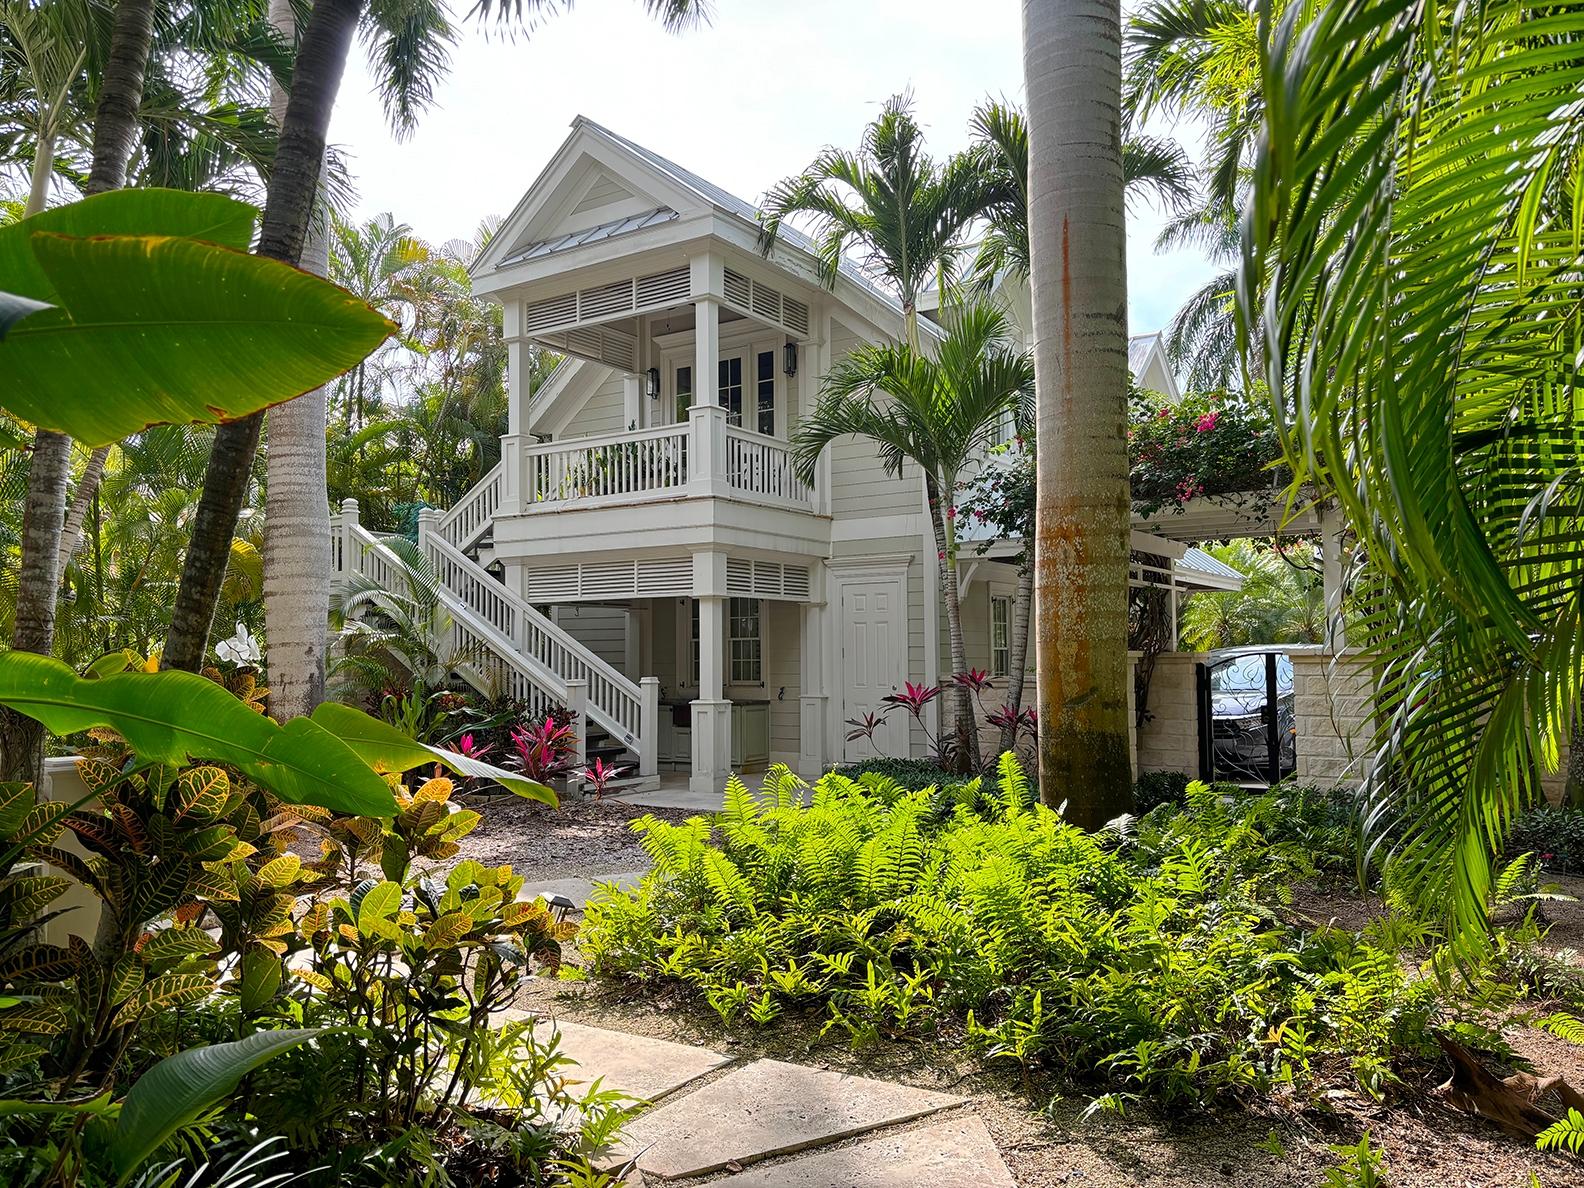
(744, 102)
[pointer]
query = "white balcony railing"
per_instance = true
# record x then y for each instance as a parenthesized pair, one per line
(705, 457)
(761, 467)
(612, 468)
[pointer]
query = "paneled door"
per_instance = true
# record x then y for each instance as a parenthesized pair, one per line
(874, 659)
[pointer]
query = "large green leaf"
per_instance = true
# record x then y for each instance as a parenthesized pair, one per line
(174, 717)
(158, 329)
(382, 745)
(181, 1087)
(213, 218)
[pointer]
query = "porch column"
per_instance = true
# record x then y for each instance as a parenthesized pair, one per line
(711, 712)
(706, 418)
(1331, 528)
(577, 709)
(649, 757)
(812, 753)
(518, 397)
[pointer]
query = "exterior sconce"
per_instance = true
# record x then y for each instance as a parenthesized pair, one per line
(652, 383)
(789, 358)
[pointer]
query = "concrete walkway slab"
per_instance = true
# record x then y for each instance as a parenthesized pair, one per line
(959, 1153)
(768, 1108)
(638, 1066)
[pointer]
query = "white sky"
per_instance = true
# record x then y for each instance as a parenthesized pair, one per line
(745, 101)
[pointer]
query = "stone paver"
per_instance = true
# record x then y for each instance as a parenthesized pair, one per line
(959, 1153)
(634, 1064)
(768, 1108)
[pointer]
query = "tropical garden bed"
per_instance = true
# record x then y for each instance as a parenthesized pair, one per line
(1158, 1069)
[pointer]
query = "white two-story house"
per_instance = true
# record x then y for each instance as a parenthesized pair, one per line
(645, 552)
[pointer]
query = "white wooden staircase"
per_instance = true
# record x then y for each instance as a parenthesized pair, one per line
(508, 646)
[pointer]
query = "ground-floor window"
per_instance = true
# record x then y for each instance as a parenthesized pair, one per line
(1000, 636)
(743, 642)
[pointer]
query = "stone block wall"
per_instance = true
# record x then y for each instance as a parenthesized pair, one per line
(1332, 708)
(1169, 738)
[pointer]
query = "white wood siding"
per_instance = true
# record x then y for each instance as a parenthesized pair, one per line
(860, 486)
(604, 411)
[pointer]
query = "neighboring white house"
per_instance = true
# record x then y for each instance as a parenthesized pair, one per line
(644, 552)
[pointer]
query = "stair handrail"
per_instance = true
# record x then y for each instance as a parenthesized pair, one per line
(615, 700)
(505, 649)
(478, 505)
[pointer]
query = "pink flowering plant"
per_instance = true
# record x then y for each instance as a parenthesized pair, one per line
(1216, 443)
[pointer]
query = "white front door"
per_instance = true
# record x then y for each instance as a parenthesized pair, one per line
(874, 660)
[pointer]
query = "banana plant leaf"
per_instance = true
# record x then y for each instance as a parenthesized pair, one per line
(175, 717)
(213, 218)
(179, 1088)
(156, 329)
(382, 745)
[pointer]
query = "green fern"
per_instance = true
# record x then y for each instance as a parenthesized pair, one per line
(1566, 1134)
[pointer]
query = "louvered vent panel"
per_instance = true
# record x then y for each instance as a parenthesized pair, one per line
(550, 585)
(609, 579)
(738, 289)
(552, 311)
(767, 579)
(663, 288)
(665, 575)
(605, 300)
(585, 342)
(617, 352)
(739, 576)
(766, 302)
(795, 582)
(795, 315)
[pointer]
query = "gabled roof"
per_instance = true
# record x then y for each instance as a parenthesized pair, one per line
(725, 200)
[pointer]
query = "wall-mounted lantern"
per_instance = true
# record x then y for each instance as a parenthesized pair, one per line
(652, 383)
(789, 358)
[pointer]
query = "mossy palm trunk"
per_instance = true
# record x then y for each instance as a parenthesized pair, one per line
(49, 468)
(321, 61)
(1072, 63)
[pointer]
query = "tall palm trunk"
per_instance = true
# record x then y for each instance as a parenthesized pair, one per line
(1017, 668)
(44, 512)
(965, 728)
(293, 186)
(1072, 66)
(297, 511)
(83, 495)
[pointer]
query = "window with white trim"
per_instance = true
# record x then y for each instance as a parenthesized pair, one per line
(744, 646)
(684, 392)
(764, 391)
(731, 388)
(1000, 636)
(693, 645)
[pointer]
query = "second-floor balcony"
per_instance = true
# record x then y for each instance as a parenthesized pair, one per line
(704, 457)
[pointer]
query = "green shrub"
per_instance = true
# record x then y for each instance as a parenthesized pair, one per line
(1154, 788)
(912, 774)
(1554, 835)
(1152, 956)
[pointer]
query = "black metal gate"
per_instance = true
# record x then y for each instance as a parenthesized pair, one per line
(1246, 724)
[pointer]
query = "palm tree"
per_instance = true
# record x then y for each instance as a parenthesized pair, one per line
(939, 413)
(407, 44)
(1078, 253)
(1411, 277)
(373, 260)
(115, 125)
(1150, 165)
(905, 212)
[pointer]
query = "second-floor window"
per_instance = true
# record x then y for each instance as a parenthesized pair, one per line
(1000, 636)
(764, 391)
(731, 388)
(684, 394)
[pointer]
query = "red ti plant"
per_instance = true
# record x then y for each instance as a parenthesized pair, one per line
(545, 749)
(599, 775)
(865, 726)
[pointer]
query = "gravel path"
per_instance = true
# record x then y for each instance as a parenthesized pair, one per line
(581, 838)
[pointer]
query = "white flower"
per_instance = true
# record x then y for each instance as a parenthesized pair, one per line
(241, 648)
